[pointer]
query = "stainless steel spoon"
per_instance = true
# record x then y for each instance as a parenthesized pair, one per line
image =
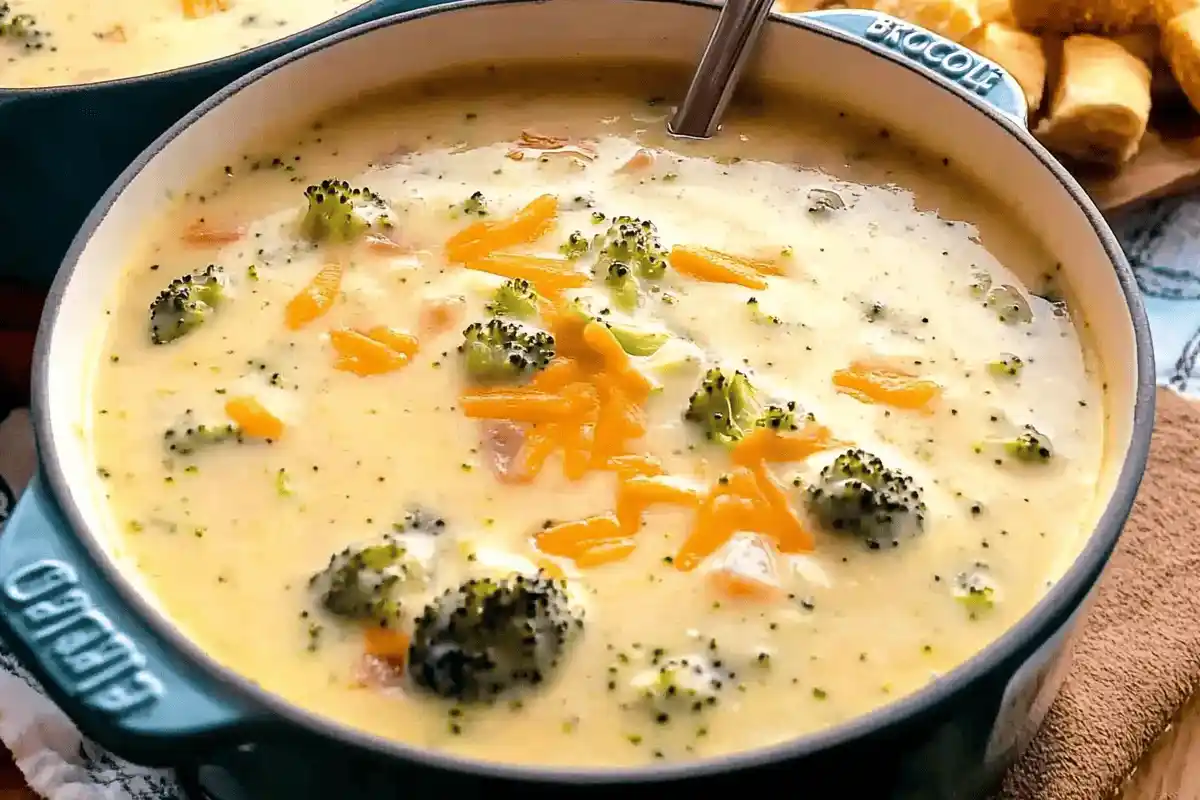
(716, 76)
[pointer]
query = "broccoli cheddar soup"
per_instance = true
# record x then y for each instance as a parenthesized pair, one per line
(56, 42)
(480, 413)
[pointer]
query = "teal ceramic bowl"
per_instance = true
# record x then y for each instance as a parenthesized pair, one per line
(62, 146)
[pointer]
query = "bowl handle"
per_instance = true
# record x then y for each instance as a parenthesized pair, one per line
(934, 55)
(124, 686)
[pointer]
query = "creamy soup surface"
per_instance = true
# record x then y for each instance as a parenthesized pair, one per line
(60, 42)
(892, 449)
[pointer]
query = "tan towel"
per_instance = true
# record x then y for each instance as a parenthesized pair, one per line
(1137, 658)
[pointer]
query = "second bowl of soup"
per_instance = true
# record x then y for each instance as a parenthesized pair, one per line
(457, 414)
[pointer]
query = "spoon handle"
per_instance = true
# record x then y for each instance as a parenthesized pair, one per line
(728, 50)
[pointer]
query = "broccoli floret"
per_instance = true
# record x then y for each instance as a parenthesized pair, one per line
(780, 418)
(21, 29)
(634, 243)
(576, 246)
(365, 583)
(860, 495)
(760, 316)
(1030, 445)
(515, 298)
(503, 351)
(187, 436)
(1009, 303)
(725, 406)
(339, 212)
(473, 206)
(622, 286)
(488, 637)
(637, 342)
(186, 303)
(1007, 366)
(976, 591)
(680, 684)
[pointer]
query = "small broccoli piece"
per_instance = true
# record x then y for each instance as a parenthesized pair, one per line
(622, 286)
(487, 637)
(419, 520)
(576, 246)
(637, 342)
(364, 583)
(874, 311)
(680, 684)
(981, 284)
(338, 212)
(186, 303)
(503, 351)
(1007, 366)
(515, 298)
(634, 243)
(725, 405)
(859, 494)
(1010, 305)
(976, 591)
(1031, 446)
(760, 316)
(473, 206)
(187, 436)
(780, 418)
(22, 29)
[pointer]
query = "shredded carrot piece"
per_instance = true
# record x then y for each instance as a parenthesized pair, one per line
(387, 643)
(538, 447)
(569, 539)
(253, 418)
(395, 339)
(577, 453)
(538, 144)
(194, 9)
(642, 159)
(605, 553)
(519, 405)
(480, 239)
(364, 355)
(617, 363)
(721, 516)
(198, 234)
(638, 493)
(775, 447)
(629, 466)
(315, 299)
(567, 327)
(737, 586)
(784, 524)
(558, 374)
(546, 274)
(714, 266)
(442, 313)
(878, 382)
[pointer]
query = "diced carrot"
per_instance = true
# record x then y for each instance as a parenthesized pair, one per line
(316, 298)
(714, 266)
(387, 643)
(642, 159)
(395, 339)
(774, 446)
(546, 274)
(199, 234)
(736, 586)
(569, 539)
(519, 405)
(480, 239)
(440, 314)
(364, 355)
(784, 524)
(628, 466)
(605, 553)
(253, 418)
(557, 375)
(721, 516)
(886, 384)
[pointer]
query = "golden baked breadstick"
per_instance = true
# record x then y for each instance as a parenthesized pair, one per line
(1073, 16)
(954, 19)
(1019, 52)
(1167, 10)
(999, 11)
(1101, 104)
(1181, 48)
